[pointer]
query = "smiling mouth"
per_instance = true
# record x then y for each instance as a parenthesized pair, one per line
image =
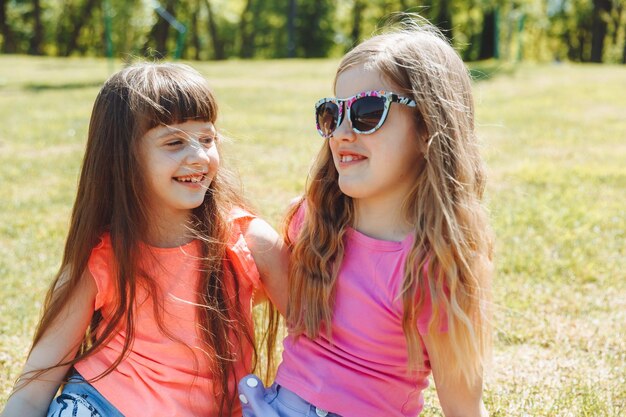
(193, 179)
(350, 158)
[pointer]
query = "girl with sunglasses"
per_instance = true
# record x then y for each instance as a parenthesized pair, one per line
(391, 250)
(150, 312)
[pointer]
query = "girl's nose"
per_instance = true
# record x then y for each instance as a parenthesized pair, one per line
(344, 131)
(196, 152)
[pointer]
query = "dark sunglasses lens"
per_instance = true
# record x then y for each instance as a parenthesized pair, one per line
(366, 112)
(326, 116)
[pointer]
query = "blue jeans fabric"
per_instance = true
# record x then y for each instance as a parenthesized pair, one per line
(275, 401)
(80, 399)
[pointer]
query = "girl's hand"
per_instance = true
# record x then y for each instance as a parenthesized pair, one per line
(457, 398)
(271, 256)
(58, 344)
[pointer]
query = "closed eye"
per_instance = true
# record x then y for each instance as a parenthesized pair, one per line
(207, 140)
(174, 143)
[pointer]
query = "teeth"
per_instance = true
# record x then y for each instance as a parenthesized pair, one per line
(194, 179)
(348, 158)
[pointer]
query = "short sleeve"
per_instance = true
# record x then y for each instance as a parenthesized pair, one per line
(295, 225)
(100, 266)
(238, 250)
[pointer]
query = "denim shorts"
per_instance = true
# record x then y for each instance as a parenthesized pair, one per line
(275, 401)
(80, 399)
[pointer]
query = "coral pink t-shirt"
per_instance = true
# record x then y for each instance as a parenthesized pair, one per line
(160, 376)
(364, 371)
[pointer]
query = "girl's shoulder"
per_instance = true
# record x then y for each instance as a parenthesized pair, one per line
(238, 248)
(240, 219)
(264, 258)
(100, 266)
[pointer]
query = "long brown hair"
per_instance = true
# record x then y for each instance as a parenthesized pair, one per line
(451, 257)
(111, 198)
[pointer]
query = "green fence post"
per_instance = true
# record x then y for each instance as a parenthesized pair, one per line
(180, 42)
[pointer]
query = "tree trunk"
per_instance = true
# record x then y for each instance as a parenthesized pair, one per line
(291, 29)
(35, 47)
(247, 31)
(487, 39)
(79, 21)
(195, 31)
(314, 27)
(444, 19)
(582, 40)
(8, 39)
(218, 43)
(619, 9)
(357, 11)
(599, 28)
(160, 32)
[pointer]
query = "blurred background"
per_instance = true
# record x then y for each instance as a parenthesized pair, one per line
(538, 30)
(550, 93)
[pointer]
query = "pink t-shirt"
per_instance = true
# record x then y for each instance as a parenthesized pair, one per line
(160, 376)
(364, 371)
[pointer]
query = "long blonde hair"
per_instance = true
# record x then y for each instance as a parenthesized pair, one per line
(451, 257)
(112, 198)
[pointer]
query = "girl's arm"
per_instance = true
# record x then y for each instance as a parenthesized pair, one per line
(271, 256)
(59, 343)
(456, 396)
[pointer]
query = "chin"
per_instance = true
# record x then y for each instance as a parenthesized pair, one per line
(350, 190)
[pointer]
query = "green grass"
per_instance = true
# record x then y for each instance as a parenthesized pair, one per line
(554, 138)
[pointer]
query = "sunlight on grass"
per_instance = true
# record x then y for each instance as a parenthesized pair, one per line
(553, 137)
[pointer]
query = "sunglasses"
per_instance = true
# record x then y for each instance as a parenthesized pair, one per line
(366, 111)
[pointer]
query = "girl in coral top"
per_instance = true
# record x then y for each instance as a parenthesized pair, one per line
(150, 312)
(390, 272)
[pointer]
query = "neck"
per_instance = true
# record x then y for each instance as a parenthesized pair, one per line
(383, 220)
(169, 230)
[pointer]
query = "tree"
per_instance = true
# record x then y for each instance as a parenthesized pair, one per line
(315, 32)
(159, 32)
(357, 13)
(78, 21)
(216, 40)
(9, 45)
(601, 9)
(291, 29)
(195, 31)
(263, 29)
(443, 20)
(36, 42)
(247, 30)
(488, 37)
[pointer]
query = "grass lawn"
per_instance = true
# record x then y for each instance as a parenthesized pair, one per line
(554, 138)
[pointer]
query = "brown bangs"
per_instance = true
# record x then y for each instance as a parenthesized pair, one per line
(169, 94)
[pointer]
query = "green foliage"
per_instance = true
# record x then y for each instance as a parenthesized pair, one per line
(269, 21)
(315, 33)
(553, 139)
(532, 30)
